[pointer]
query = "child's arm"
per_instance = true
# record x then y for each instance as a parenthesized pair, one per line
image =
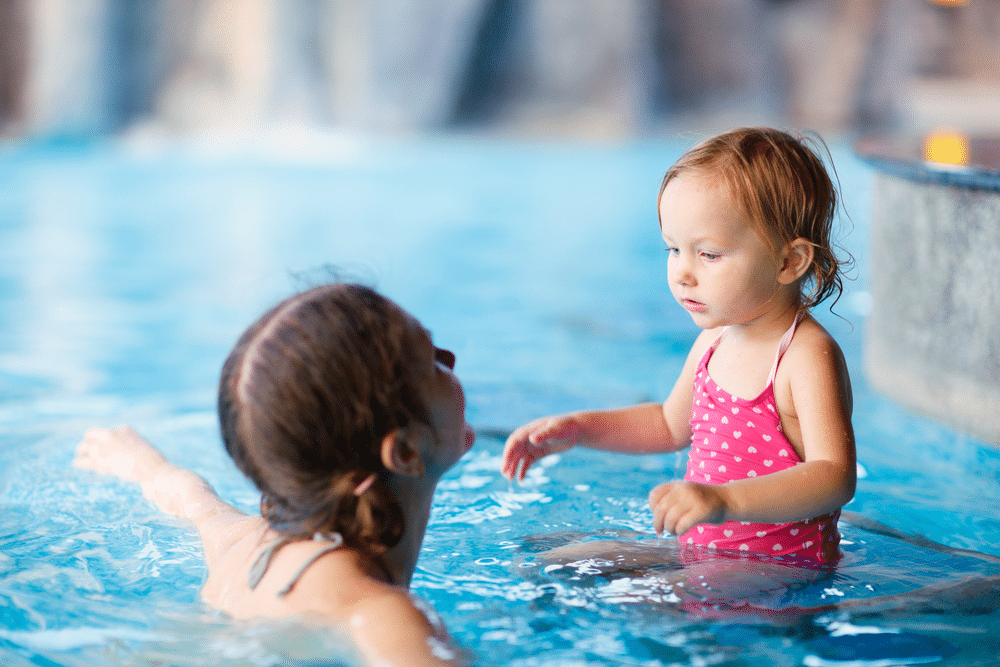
(124, 453)
(641, 429)
(819, 405)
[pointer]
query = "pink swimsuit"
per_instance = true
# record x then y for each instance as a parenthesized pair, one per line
(734, 438)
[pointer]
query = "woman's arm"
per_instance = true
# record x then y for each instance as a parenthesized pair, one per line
(390, 630)
(124, 453)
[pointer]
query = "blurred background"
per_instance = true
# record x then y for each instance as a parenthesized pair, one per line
(591, 68)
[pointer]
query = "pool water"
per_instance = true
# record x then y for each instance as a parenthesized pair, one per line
(127, 272)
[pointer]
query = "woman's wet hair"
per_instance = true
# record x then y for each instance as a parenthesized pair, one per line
(784, 190)
(305, 399)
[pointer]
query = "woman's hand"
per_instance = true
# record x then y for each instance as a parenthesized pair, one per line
(121, 452)
(677, 506)
(126, 454)
(535, 440)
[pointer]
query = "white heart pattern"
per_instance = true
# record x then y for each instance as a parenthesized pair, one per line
(752, 473)
(769, 463)
(752, 449)
(727, 532)
(737, 434)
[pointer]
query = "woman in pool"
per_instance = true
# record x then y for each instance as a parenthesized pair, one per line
(746, 217)
(340, 409)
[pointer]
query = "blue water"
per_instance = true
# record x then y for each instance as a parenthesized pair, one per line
(126, 273)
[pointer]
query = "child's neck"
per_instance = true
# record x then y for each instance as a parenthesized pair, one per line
(771, 323)
(742, 361)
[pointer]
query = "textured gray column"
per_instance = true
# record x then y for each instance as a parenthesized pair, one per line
(934, 332)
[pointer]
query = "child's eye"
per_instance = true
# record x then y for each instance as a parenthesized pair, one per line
(670, 250)
(710, 255)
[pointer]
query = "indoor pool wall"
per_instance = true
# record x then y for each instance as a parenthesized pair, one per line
(128, 273)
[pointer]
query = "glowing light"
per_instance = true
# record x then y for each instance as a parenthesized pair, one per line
(947, 147)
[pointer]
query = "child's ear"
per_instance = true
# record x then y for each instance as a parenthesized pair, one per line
(400, 455)
(796, 259)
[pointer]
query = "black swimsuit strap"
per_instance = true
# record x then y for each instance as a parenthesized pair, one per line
(260, 564)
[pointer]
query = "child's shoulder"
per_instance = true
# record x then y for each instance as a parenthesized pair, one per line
(811, 334)
(705, 340)
(813, 346)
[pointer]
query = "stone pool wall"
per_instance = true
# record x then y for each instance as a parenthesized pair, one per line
(934, 332)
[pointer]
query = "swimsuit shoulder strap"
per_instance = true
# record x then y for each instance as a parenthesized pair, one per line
(259, 567)
(711, 348)
(786, 340)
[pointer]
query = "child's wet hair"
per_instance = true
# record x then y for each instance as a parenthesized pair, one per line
(305, 399)
(785, 192)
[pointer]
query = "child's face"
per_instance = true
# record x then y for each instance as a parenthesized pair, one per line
(720, 270)
(442, 394)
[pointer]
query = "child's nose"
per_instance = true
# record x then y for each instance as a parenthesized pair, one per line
(681, 271)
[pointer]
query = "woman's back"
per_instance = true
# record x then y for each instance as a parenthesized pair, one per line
(333, 585)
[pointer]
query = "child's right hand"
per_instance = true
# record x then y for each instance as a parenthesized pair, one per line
(678, 506)
(535, 440)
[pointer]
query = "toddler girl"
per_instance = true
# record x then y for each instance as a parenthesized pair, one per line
(764, 397)
(340, 409)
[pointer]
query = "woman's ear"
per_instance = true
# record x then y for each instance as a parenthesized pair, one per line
(400, 456)
(796, 258)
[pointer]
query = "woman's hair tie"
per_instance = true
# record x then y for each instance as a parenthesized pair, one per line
(365, 485)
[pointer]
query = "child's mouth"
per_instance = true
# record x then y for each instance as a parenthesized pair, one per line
(692, 306)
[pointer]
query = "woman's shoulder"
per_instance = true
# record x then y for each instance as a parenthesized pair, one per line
(342, 582)
(386, 621)
(338, 589)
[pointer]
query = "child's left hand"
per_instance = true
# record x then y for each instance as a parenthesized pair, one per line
(677, 506)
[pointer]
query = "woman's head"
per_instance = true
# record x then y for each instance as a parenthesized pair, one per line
(308, 400)
(784, 191)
